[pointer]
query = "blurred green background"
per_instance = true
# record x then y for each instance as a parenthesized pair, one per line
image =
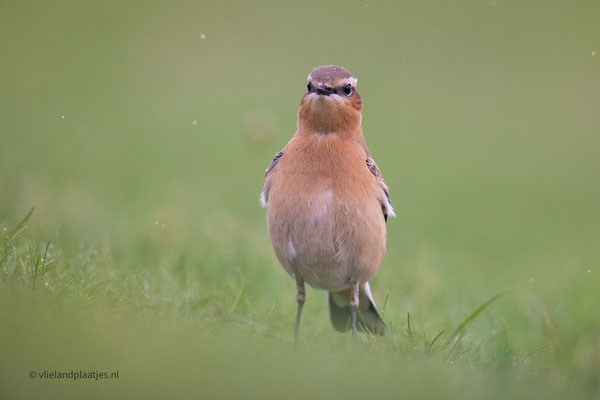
(141, 130)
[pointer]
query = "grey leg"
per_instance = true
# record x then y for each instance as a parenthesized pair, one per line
(354, 306)
(300, 296)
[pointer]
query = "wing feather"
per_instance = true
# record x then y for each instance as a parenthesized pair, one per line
(264, 194)
(386, 204)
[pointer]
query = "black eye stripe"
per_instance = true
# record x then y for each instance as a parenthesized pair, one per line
(341, 90)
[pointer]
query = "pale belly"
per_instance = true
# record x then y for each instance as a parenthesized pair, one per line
(328, 242)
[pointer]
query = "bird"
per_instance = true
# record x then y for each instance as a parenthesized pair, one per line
(327, 203)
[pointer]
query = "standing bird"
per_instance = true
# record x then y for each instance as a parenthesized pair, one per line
(327, 204)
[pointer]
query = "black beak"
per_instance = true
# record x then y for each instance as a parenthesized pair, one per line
(324, 90)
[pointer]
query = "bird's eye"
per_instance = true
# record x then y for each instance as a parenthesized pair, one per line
(308, 87)
(348, 89)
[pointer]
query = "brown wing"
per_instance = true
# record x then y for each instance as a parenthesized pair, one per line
(274, 162)
(386, 205)
(264, 195)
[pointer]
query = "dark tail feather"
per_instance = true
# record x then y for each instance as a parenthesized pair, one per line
(367, 318)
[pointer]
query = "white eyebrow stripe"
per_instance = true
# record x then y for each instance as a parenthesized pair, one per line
(352, 81)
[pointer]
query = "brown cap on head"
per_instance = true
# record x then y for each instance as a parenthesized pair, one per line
(331, 75)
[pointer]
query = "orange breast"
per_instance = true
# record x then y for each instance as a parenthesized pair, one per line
(324, 212)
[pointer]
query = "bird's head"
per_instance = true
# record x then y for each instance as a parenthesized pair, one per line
(331, 102)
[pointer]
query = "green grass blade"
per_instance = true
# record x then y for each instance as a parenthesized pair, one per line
(482, 307)
(409, 329)
(15, 231)
(436, 338)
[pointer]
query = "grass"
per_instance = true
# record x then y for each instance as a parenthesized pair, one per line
(147, 251)
(83, 312)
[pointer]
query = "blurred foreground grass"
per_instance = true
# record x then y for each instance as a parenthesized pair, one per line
(140, 132)
(175, 332)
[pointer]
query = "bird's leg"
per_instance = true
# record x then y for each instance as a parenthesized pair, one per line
(300, 296)
(354, 306)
